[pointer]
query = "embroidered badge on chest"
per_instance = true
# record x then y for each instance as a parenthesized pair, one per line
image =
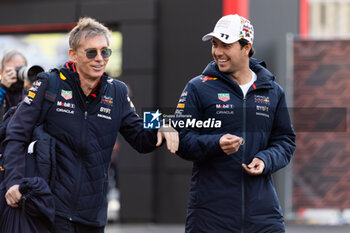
(261, 99)
(66, 94)
(224, 96)
(107, 100)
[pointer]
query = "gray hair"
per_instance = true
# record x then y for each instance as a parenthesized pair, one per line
(89, 28)
(9, 55)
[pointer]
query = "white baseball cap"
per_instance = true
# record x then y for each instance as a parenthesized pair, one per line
(231, 28)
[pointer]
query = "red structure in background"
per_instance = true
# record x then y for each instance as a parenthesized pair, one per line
(37, 28)
(304, 18)
(321, 174)
(240, 7)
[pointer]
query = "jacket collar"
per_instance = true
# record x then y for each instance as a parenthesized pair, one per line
(72, 77)
(69, 71)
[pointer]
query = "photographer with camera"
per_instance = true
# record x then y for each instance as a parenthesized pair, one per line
(16, 78)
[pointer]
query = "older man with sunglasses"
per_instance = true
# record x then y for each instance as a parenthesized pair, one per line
(89, 110)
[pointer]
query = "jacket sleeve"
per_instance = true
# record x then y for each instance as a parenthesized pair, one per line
(3, 91)
(142, 140)
(194, 145)
(281, 144)
(19, 132)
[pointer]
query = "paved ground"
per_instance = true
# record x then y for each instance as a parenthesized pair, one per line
(317, 229)
(151, 228)
(144, 228)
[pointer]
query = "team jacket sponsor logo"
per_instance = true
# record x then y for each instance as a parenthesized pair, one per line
(180, 105)
(28, 100)
(224, 109)
(103, 113)
(219, 112)
(107, 100)
(105, 110)
(206, 78)
(62, 76)
(66, 94)
(182, 100)
(37, 83)
(261, 99)
(179, 112)
(34, 88)
(262, 108)
(184, 94)
(224, 96)
(262, 114)
(31, 94)
(224, 106)
(64, 110)
(65, 104)
(104, 116)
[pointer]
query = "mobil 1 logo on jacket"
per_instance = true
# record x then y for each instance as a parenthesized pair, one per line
(223, 105)
(64, 103)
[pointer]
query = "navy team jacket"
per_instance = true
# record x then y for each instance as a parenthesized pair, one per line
(85, 133)
(223, 197)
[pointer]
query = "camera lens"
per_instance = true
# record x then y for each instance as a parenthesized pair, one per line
(28, 72)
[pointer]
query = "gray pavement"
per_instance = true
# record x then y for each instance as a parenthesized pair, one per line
(164, 228)
(144, 228)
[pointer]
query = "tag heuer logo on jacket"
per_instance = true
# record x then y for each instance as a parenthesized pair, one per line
(66, 94)
(224, 96)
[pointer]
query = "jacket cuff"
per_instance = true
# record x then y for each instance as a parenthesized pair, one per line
(218, 148)
(12, 183)
(264, 159)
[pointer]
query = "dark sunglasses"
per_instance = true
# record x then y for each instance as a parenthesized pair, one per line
(92, 53)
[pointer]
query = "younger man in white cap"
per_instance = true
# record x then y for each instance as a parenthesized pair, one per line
(234, 159)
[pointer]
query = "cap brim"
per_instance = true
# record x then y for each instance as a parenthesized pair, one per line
(219, 36)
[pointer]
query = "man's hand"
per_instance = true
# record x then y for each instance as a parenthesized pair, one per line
(230, 143)
(9, 77)
(171, 136)
(256, 167)
(13, 196)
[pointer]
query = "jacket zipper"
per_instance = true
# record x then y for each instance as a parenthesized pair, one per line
(243, 161)
(78, 187)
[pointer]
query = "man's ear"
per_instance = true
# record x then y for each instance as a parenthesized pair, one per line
(73, 55)
(247, 48)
